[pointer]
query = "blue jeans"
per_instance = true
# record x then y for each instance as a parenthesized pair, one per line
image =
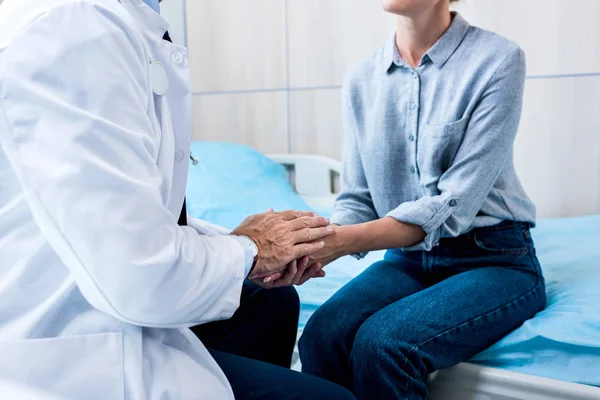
(417, 312)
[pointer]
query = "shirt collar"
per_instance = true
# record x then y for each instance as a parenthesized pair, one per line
(153, 4)
(439, 53)
(391, 56)
(151, 23)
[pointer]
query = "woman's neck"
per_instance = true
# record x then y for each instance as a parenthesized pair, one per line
(417, 33)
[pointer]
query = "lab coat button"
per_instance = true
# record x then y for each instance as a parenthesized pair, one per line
(179, 156)
(177, 58)
(413, 170)
(452, 203)
(412, 106)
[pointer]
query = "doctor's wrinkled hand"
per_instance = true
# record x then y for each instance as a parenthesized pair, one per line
(282, 238)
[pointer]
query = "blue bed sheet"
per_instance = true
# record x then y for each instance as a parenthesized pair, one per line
(563, 341)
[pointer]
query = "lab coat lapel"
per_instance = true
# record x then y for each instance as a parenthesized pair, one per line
(172, 106)
(183, 216)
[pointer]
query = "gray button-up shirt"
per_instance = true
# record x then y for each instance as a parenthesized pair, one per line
(433, 146)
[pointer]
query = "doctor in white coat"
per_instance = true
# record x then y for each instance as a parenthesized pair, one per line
(98, 282)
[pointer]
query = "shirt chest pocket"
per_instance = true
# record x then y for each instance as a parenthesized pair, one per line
(437, 147)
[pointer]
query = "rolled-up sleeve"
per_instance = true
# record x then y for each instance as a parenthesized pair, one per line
(354, 204)
(482, 155)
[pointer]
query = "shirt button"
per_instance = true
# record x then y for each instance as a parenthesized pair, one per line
(412, 106)
(179, 156)
(177, 58)
(411, 138)
(452, 203)
(413, 170)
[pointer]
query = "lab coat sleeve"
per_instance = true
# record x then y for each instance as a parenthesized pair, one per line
(206, 228)
(74, 101)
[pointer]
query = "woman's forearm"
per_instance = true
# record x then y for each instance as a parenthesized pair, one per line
(384, 233)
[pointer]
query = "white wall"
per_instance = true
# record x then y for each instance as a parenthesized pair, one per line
(558, 147)
(268, 73)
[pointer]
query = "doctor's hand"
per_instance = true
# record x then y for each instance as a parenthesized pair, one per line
(298, 272)
(282, 238)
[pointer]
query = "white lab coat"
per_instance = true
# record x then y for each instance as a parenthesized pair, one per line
(98, 283)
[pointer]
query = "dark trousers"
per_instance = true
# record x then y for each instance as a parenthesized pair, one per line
(416, 312)
(254, 349)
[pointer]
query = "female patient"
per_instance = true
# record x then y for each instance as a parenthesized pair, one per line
(428, 172)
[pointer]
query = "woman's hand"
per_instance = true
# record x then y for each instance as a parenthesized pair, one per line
(337, 245)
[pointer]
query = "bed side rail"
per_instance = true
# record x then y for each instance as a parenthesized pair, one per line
(315, 178)
(311, 175)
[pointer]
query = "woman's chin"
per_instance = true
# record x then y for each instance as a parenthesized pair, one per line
(409, 7)
(400, 7)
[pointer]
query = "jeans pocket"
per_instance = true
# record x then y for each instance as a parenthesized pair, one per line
(509, 240)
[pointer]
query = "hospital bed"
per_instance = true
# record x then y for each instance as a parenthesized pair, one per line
(554, 356)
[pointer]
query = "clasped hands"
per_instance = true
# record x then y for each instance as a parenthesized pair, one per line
(293, 246)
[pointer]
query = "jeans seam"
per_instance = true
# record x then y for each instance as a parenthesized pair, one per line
(538, 267)
(515, 300)
(402, 368)
(518, 251)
